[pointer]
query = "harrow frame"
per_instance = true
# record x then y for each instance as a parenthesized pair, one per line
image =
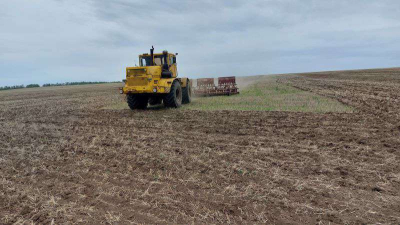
(207, 87)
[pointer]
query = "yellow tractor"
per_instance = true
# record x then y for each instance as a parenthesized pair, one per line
(155, 82)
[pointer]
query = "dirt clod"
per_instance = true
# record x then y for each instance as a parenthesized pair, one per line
(377, 189)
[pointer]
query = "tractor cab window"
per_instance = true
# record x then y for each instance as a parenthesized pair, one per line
(172, 60)
(145, 61)
(158, 60)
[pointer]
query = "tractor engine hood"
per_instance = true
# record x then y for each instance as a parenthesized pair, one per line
(143, 71)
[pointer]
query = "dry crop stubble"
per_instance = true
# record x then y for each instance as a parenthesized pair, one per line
(67, 157)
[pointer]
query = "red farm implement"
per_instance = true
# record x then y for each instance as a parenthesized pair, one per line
(226, 86)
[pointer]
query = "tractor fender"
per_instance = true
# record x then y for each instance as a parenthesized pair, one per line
(167, 83)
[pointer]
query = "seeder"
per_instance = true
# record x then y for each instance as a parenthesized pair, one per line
(226, 86)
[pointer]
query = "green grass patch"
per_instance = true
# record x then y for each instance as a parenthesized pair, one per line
(268, 95)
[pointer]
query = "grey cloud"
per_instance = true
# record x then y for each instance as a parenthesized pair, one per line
(73, 40)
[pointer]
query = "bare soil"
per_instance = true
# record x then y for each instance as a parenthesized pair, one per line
(66, 159)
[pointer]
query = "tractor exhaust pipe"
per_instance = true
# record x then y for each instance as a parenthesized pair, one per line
(152, 56)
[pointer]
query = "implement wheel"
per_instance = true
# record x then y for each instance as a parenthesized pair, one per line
(187, 93)
(137, 101)
(174, 97)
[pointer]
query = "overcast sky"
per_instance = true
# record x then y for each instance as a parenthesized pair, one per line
(83, 40)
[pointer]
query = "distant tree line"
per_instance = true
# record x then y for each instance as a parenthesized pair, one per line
(32, 85)
(78, 83)
(55, 84)
(11, 87)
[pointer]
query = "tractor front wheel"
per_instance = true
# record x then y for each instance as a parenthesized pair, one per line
(174, 97)
(137, 101)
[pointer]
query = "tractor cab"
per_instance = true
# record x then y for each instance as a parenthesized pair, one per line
(165, 60)
(159, 59)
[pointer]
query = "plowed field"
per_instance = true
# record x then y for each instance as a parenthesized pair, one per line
(66, 158)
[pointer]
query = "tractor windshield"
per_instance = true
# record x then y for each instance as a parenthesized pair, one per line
(159, 60)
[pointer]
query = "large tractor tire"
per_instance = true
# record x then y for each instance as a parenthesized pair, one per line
(174, 97)
(187, 93)
(137, 101)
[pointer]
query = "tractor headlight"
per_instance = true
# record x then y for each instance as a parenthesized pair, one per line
(155, 90)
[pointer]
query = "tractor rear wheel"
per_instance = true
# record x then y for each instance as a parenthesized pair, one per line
(137, 101)
(187, 93)
(174, 97)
